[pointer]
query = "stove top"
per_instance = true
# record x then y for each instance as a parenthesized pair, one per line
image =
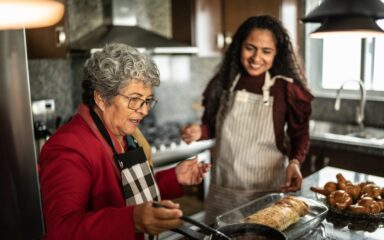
(162, 137)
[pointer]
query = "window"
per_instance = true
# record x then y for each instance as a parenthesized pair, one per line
(332, 61)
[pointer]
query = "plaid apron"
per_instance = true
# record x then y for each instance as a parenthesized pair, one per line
(137, 179)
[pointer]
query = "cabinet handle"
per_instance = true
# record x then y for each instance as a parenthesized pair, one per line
(228, 38)
(220, 41)
(61, 36)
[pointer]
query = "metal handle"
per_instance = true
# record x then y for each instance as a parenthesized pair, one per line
(220, 41)
(193, 234)
(228, 38)
(61, 36)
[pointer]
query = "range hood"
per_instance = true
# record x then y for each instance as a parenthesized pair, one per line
(124, 29)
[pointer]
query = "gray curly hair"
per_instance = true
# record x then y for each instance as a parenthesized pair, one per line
(112, 68)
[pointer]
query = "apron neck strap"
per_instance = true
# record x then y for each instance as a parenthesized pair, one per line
(102, 129)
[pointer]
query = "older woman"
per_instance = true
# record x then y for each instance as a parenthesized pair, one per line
(95, 171)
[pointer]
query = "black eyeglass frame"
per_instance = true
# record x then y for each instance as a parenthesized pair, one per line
(151, 103)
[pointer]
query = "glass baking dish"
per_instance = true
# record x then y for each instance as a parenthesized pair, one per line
(317, 213)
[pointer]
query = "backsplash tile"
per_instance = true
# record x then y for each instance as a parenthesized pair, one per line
(50, 79)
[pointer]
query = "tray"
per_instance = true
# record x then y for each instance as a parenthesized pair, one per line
(317, 213)
(348, 214)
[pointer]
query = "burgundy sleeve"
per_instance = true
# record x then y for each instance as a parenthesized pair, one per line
(299, 111)
(66, 180)
(168, 185)
(206, 132)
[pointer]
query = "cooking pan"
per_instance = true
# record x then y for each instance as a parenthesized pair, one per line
(251, 231)
(240, 231)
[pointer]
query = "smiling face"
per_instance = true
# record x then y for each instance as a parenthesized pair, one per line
(120, 119)
(258, 52)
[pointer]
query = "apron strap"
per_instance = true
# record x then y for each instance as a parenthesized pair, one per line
(105, 134)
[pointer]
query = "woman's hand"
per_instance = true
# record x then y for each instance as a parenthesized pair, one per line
(191, 133)
(293, 178)
(153, 221)
(191, 172)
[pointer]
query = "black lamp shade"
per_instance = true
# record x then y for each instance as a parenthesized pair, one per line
(341, 8)
(362, 26)
(353, 17)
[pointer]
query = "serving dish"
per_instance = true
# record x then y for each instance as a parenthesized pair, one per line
(317, 213)
(348, 214)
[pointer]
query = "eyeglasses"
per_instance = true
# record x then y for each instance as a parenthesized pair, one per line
(136, 103)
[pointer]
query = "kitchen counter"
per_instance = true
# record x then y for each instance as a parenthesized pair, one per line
(346, 137)
(345, 146)
(332, 229)
(177, 152)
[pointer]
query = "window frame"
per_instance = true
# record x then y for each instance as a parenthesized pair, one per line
(313, 59)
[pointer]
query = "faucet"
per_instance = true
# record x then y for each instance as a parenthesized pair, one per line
(360, 109)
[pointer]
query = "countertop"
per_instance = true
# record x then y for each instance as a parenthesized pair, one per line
(343, 230)
(329, 228)
(177, 152)
(336, 136)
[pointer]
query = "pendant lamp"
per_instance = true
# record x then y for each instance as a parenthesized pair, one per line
(17, 14)
(347, 17)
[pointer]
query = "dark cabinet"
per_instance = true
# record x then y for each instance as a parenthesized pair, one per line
(210, 25)
(48, 42)
(359, 161)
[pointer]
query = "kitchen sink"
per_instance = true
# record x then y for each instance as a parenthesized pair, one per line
(346, 132)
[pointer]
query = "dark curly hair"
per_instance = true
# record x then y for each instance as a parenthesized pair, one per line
(285, 63)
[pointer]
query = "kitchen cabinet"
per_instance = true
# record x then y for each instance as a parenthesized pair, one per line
(321, 156)
(48, 42)
(210, 25)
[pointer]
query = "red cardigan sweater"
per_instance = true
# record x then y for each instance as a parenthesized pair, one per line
(81, 186)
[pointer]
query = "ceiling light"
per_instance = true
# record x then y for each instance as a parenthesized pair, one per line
(347, 17)
(17, 14)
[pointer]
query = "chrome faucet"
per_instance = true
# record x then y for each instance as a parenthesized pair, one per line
(360, 109)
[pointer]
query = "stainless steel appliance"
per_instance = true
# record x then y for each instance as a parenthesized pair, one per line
(120, 25)
(43, 121)
(20, 214)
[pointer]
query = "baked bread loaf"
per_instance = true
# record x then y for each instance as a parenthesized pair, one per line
(281, 214)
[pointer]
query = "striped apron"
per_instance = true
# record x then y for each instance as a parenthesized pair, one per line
(248, 163)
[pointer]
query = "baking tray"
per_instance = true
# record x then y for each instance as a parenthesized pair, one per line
(317, 213)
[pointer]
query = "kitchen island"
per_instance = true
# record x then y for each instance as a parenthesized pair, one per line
(334, 227)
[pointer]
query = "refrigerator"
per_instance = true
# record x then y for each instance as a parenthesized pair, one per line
(20, 202)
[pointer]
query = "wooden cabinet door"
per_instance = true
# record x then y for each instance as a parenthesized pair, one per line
(210, 25)
(236, 12)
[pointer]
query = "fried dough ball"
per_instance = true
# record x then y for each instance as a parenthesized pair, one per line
(362, 184)
(371, 190)
(366, 205)
(381, 204)
(339, 199)
(353, 190)
(326, 190)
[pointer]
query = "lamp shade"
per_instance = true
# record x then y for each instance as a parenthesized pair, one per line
(353, 17)
(16, 14)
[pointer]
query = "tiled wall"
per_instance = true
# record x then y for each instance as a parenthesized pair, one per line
(323, 109)
(179, 97)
